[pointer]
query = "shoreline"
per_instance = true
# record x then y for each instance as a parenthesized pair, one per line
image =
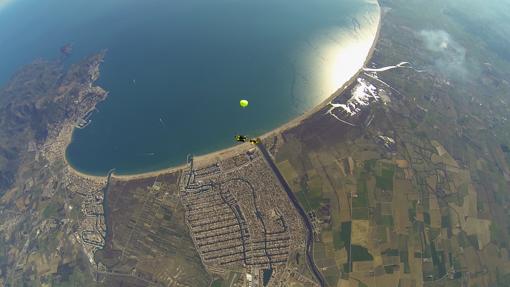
(240, 148)
(67, 134)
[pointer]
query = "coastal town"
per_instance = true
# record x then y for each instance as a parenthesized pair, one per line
(85, 96)
(239, 216)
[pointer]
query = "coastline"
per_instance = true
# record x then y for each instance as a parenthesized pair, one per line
(66, 135)
(240, 148)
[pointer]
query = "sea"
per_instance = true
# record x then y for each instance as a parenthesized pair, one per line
(176, 70)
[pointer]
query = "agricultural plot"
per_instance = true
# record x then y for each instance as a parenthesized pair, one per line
(147, 233)
(426, 211)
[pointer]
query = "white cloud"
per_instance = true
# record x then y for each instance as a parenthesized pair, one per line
(451, 56)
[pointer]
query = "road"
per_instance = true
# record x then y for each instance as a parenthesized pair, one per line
(306, 220)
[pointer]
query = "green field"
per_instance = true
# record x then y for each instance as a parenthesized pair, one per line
(218, 283)
(385, 180)
(360, 253)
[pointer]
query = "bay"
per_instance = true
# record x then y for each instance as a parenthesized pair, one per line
(176, 70)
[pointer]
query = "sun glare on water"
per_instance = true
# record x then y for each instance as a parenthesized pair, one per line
(348, 57)
(4, 3)
(347, 60)
(345, 54)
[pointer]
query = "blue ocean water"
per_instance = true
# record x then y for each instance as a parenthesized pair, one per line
(176, 69)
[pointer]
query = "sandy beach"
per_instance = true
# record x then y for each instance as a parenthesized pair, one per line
(66, 135)
(241, 148)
